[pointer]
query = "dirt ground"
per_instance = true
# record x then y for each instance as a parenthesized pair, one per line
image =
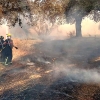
(52, 70)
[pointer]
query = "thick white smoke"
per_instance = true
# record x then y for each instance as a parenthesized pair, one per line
(76, 74)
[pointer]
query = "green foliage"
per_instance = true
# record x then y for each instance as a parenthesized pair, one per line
(11, 10)
(53, 10)
(82, 8)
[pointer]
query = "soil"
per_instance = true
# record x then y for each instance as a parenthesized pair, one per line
(52, 70)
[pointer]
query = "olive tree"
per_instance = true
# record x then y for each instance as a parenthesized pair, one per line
(76, 10)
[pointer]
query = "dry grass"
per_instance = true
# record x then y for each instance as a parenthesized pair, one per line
(20, 77)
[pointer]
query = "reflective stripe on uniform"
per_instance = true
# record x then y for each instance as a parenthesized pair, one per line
(6, 60)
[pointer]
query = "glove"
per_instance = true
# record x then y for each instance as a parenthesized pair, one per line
(16, 47)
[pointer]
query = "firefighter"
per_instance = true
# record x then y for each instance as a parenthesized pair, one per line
(1, 49)
(8, 50)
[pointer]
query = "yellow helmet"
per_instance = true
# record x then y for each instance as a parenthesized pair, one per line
(8, 34)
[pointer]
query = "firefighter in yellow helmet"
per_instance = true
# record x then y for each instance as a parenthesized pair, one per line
(8, 49)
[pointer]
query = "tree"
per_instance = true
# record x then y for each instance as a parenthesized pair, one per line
(47, 9)
(43, 27)
(76, 10)
(47, 14)
(11, 11)
(53, 11)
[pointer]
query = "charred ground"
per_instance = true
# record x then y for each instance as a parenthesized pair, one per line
(53, 70)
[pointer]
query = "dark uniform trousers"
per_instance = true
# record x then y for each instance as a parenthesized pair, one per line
(1, 52)
(7, 53)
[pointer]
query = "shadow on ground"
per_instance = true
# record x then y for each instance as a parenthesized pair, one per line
(54, 70)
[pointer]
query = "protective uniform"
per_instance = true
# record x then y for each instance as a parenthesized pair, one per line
(8, 49)
(1, 42)
(1, 49)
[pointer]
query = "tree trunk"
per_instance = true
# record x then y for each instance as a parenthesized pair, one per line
(78, 26)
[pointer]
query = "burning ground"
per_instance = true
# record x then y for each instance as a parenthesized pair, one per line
(53, 70)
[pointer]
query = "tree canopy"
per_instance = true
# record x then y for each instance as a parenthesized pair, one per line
(53, 10)
(35, 10)
(76, 10)
(10, 11)
(83, 8)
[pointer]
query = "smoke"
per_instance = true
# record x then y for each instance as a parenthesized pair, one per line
(71, 58)
(62, 32)
(76, 74)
